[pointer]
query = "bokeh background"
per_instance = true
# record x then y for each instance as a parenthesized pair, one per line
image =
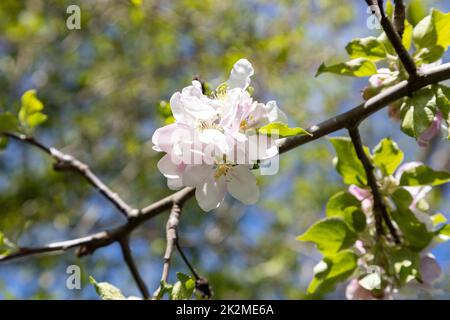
(101, 86)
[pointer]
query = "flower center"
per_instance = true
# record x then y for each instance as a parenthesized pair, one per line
(221, 170)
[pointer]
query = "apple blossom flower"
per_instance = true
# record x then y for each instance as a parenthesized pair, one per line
(211, 145)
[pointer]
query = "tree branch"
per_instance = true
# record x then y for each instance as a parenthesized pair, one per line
(128, 257)
(171, 239)
(379, 208)
(65, 162)
(394, 37)
(399, 17)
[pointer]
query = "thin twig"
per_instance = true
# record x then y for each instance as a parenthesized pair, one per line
(171, 239)
(128, 258)
(379, 207)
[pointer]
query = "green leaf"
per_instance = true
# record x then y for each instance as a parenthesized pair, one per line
(331, 235)
(183, 288)
(406, 264)
(423, 176)
(442, 26)
(416, 11)
(429, 54)
(30, 114)
(348, 164)
(339, 202)
(334, 269)
(424, 33)
(407, 35)
(3, 143)
(418, 112)
(107, 291)
(443, 103)
(8, 122)
(387, 156)
(346, 206)
(416, 234)
(433, 30)
(282, 130)
(370, 48)
(359, 67)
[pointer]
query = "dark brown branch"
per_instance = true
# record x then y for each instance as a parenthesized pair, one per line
(399, 17)
(365, 109)
(65, 162)
(379, 207)
(394, 38)
(128, 258)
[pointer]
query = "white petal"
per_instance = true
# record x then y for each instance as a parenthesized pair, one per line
(177, 108)
(210, 194)
(168, 168)
(195, 175)
(215, 138)
(240, 75)
(242, 185)
(197, 108)
(274, 113)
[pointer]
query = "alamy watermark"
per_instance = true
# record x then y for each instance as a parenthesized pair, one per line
(73, 21)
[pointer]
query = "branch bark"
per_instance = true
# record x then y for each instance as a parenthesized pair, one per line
(379, 207)
(394, 37)
(65, 162)
(128, 258)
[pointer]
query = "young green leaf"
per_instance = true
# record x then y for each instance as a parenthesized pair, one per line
(442, 26)
(387, 156)
(348, 164)
(30, 114)
(282, 130)
(183, 288)
(370, 48)
(331, 235)
(334, 269)
(423, 176)
(346, 206)
(418, 112)
(359, 67)
(107, 291)
(339, 202)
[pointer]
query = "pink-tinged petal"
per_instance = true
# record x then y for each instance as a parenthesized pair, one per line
(240, 75)
(429, 269)
(424, 139)
(242, 185)
(167, 137)
(359, 193)
(172, 171)
(210, 193)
